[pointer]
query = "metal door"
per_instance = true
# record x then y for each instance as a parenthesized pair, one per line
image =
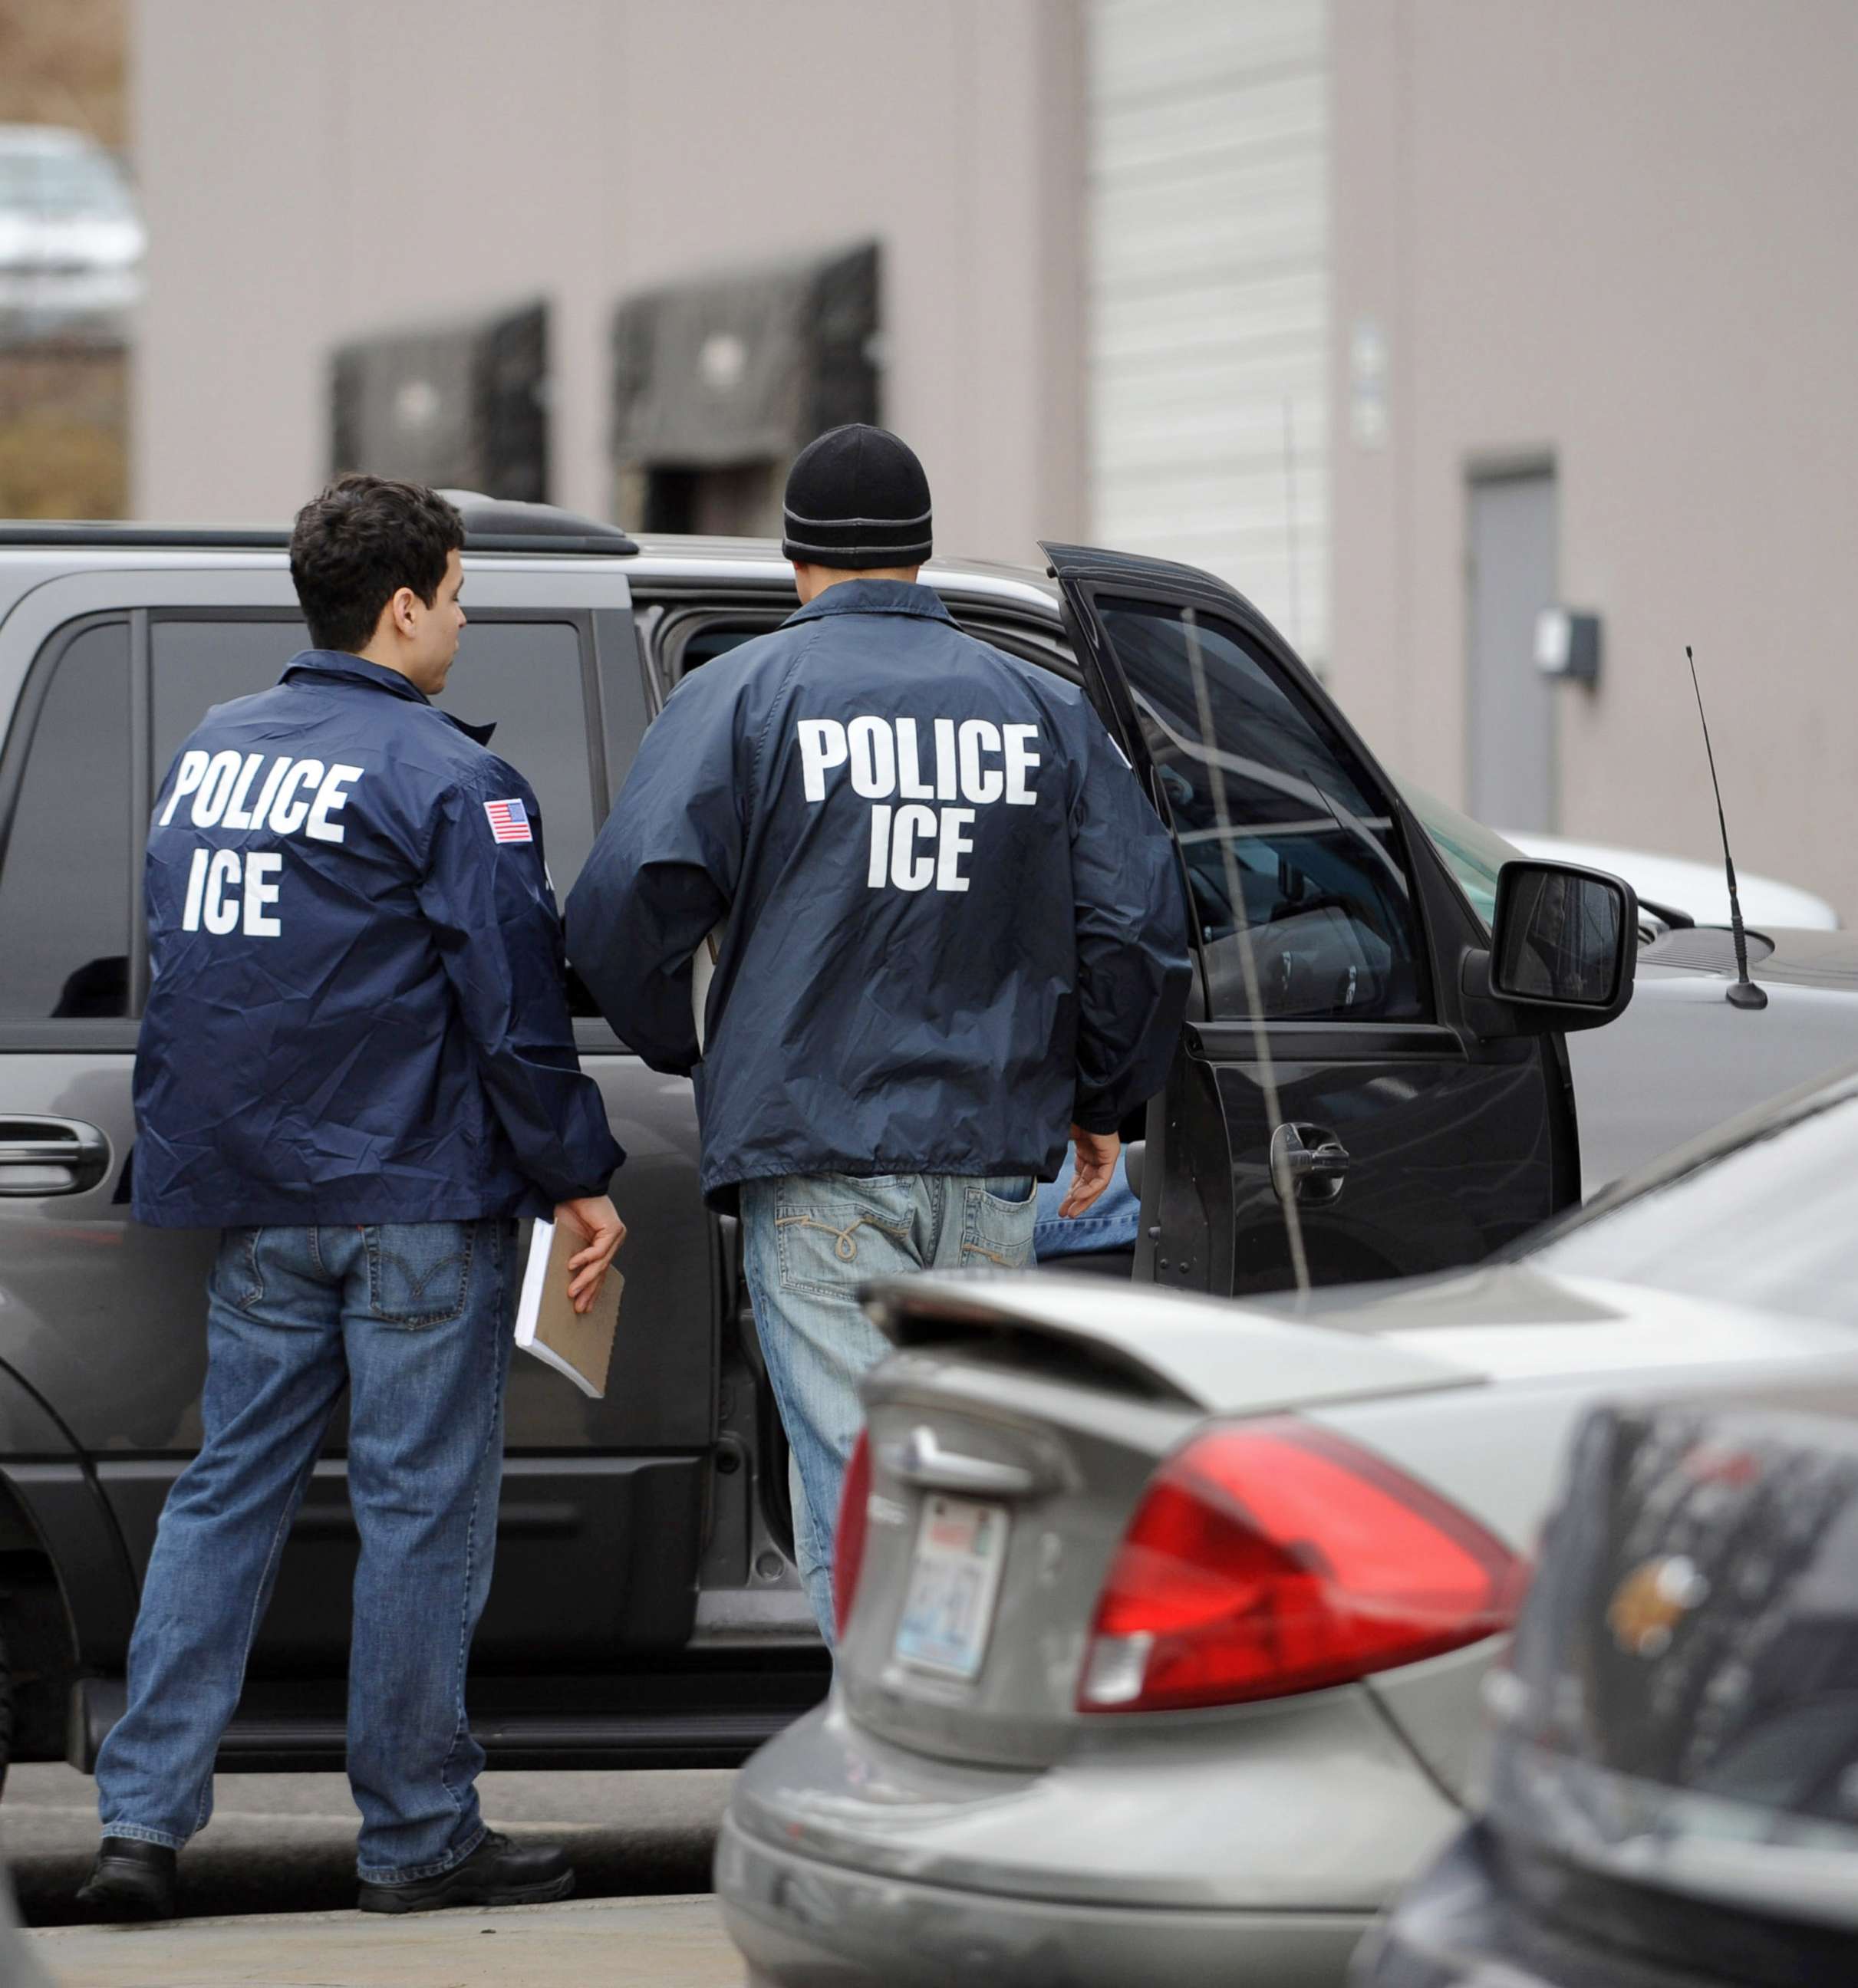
(1512, 718)
(1330, 1114)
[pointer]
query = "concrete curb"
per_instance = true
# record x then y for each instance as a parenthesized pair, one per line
(673, 1942)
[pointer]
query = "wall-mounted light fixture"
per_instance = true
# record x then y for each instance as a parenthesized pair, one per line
(1567, 644)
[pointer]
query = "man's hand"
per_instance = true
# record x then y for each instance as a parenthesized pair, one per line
(596, 1222)
(1097, 1153)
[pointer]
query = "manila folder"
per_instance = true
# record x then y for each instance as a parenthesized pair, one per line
(579, 1344)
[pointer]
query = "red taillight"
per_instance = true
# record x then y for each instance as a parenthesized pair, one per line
(1271, 1558)
(848, 1542)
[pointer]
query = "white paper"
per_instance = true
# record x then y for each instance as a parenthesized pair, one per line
(702, 972)
(528, 1309)
(534, 1275)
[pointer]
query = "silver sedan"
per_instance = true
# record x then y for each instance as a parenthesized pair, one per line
(1165, 1620)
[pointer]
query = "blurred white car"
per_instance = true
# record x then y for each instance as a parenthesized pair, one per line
(1700, 890)
(1164, 1621)
(1647, 1081)
(71, 239)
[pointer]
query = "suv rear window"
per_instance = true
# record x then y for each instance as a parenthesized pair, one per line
(525, 677)
(65, 844)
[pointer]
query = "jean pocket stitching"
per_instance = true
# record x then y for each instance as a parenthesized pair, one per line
(981, 1237)
(993, 1255)
(418, 1318)
(1011, 1207)
(794, 1274)
(844, 1247)
(255, 1277)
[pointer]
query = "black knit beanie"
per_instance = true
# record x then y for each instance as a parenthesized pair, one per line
(857, 497)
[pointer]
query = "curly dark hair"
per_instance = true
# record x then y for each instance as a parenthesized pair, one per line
(355, 545)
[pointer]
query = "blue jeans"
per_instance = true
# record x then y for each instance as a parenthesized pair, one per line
(809, 1242)
(415, 1318)
(1112, 1222)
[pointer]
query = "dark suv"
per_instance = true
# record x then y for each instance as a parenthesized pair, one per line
(645, 1608)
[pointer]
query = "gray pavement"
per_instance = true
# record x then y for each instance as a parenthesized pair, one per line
(667, 1943)
(285, 1843)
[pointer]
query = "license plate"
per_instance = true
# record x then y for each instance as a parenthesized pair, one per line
(961, 1548)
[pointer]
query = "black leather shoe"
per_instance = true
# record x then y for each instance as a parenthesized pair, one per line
(130, 1880)
(498, 1872)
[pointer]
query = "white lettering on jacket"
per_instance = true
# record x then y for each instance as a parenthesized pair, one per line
(227, 888)
(915, 847)
(235, 890)
(296, 797)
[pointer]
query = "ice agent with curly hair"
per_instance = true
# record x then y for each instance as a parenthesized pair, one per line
(359, 547)
(357, 1062)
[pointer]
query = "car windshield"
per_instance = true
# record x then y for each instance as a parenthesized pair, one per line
(1473, 853)
(61, 184)
(1764, 1220)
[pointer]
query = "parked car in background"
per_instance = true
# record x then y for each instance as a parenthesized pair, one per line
(1678, 890)
(1165, 1621)
(71, 239)
(1680, 1059)
(1673, 1799)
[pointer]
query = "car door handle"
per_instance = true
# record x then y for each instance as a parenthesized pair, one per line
(1307, 1163)
(918, 1458)
(41, 1156)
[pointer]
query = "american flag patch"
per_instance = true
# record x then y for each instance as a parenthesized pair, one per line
(509, 821)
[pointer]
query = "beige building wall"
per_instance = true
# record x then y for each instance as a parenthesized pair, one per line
(315, 172)
(1623, 235)
(1209, 152)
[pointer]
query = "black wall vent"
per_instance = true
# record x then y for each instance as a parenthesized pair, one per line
(719, 383)
(465, 405)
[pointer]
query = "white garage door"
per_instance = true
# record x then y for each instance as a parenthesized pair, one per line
(1208, 294)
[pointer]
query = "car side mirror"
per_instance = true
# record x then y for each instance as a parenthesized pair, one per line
(1564, 944)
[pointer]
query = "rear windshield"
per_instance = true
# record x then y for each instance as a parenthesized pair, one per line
(1766, 1223)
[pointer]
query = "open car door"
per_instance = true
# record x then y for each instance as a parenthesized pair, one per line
(1334, 1112)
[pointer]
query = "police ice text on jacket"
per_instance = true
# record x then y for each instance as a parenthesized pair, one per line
(954, 921)
(356, 1010)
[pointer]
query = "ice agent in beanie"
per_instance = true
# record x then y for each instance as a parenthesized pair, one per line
(949, 929)
(857, 497)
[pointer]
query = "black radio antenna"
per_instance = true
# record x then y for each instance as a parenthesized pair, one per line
(1744, 993)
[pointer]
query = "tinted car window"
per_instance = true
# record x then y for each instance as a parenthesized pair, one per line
(1287, 843)
(1474, 855)
(523, 677)
(709, 643)
(623, 687)
(1766, 1224)
(64, 876)
(195, 665)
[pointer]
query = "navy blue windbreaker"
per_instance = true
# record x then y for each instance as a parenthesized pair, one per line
(955, 924)
(357, 1010)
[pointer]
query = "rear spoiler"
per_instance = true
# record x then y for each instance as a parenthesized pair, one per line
(1209, 1353)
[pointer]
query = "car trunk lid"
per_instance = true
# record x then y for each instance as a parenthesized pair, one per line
(1209, 1353)
(1010, 1441)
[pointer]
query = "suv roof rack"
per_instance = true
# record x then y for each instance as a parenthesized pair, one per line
(492, 524)
(506, 524)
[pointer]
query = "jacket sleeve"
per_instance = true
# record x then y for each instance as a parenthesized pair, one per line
(661, 874)
(492, 912)
(1133, 969)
